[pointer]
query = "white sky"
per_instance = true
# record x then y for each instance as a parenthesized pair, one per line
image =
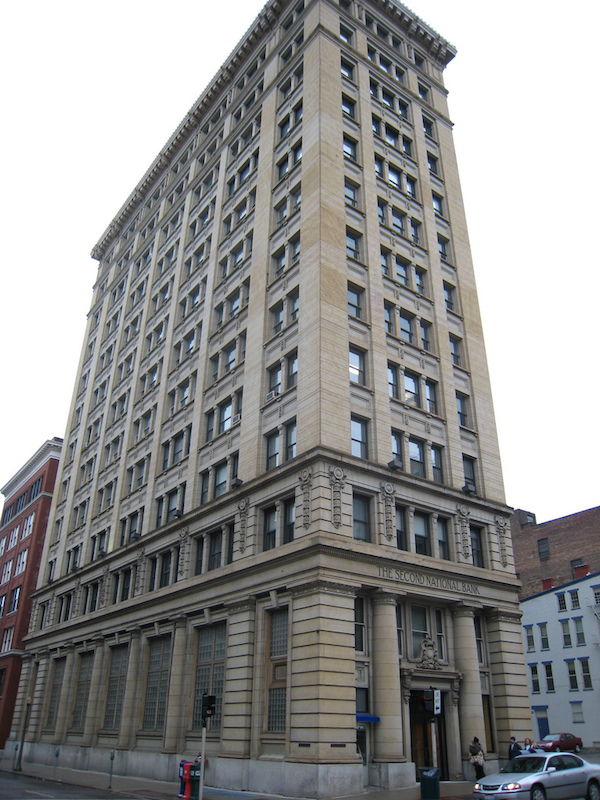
(91, 91)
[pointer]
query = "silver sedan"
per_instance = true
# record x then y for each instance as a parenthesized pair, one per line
(542, 776)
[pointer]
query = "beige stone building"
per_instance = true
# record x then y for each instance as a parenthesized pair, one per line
(280, 481)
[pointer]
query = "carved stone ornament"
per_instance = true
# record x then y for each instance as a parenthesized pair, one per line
(501, 530)
(243, 506)
(406, 676)
(337, 476)
(140, 572)
(388, 491)
(465, 532)
(456, 688)
(428, 654)
(184, 544)
(305, 483)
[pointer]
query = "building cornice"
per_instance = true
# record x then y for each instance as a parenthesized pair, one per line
(435, 46)
(50, 449)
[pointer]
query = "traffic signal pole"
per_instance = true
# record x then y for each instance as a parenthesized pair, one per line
(202, 758)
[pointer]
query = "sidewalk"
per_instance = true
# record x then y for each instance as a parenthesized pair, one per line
(162, 790)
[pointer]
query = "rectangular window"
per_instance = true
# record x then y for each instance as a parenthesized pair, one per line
(544, 553)
(401, 539)
(572, 675)
(360, 517)
(566, 633)
(437, 463)
(479, 639)
(277, 670)
(477, 545)
(157, 684)
(422, 538)
(400, 630)
(359, 433)
(549, 677)
(210, 671)
(418, 628)
(270, 528)
(530, 639)
(215, 549)
(545, 644)
(535, 678)
(585, 673)
(574, 594)
(417, 457)
(55, 689)
(82, 691)
(356, 360)
(355, 301)
(579, 634)
(360, 638)
(577, 711)
(442, 536)
(272, 450)
(290, 440)
(289, 520)
(116, 687)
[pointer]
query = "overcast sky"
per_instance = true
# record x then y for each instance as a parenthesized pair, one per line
(92, 91)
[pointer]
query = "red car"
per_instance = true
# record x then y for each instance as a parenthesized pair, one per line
(555, 742)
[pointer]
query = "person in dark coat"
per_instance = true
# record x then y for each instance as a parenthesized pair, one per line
(514, 748)
(477, 758)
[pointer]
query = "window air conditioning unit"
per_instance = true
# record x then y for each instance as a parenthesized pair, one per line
(236, 418)
(101, 552)
(272, 395)
(395, 464)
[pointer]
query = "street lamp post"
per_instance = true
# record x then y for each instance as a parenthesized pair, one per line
(18, 767)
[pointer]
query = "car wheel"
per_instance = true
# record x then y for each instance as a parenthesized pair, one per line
(593, 792)
(538, 793)
(577, 748)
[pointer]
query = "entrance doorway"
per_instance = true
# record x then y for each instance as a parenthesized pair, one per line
(423, 726)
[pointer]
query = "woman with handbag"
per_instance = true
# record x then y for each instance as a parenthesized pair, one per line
(477, 758)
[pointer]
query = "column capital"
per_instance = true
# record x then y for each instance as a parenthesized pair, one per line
(381, 598)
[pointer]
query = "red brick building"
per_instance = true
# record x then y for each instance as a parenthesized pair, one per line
(22, 531)
(557, 551)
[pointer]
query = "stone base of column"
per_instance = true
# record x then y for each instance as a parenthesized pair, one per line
(386, 775)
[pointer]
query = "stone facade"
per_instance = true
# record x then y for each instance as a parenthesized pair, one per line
(267, 492)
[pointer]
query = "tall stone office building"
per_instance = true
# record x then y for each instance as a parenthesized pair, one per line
(280, 481)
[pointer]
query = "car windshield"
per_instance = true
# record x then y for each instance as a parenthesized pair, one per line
(529, 764)
(551, 737)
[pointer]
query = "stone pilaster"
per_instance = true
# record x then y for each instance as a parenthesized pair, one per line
(470, 707)
(322, 691)
(92, 722)
(130, 713)
(388, 739)
(508, 675)
(67, 694)
(175, 699)
(237, 689)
